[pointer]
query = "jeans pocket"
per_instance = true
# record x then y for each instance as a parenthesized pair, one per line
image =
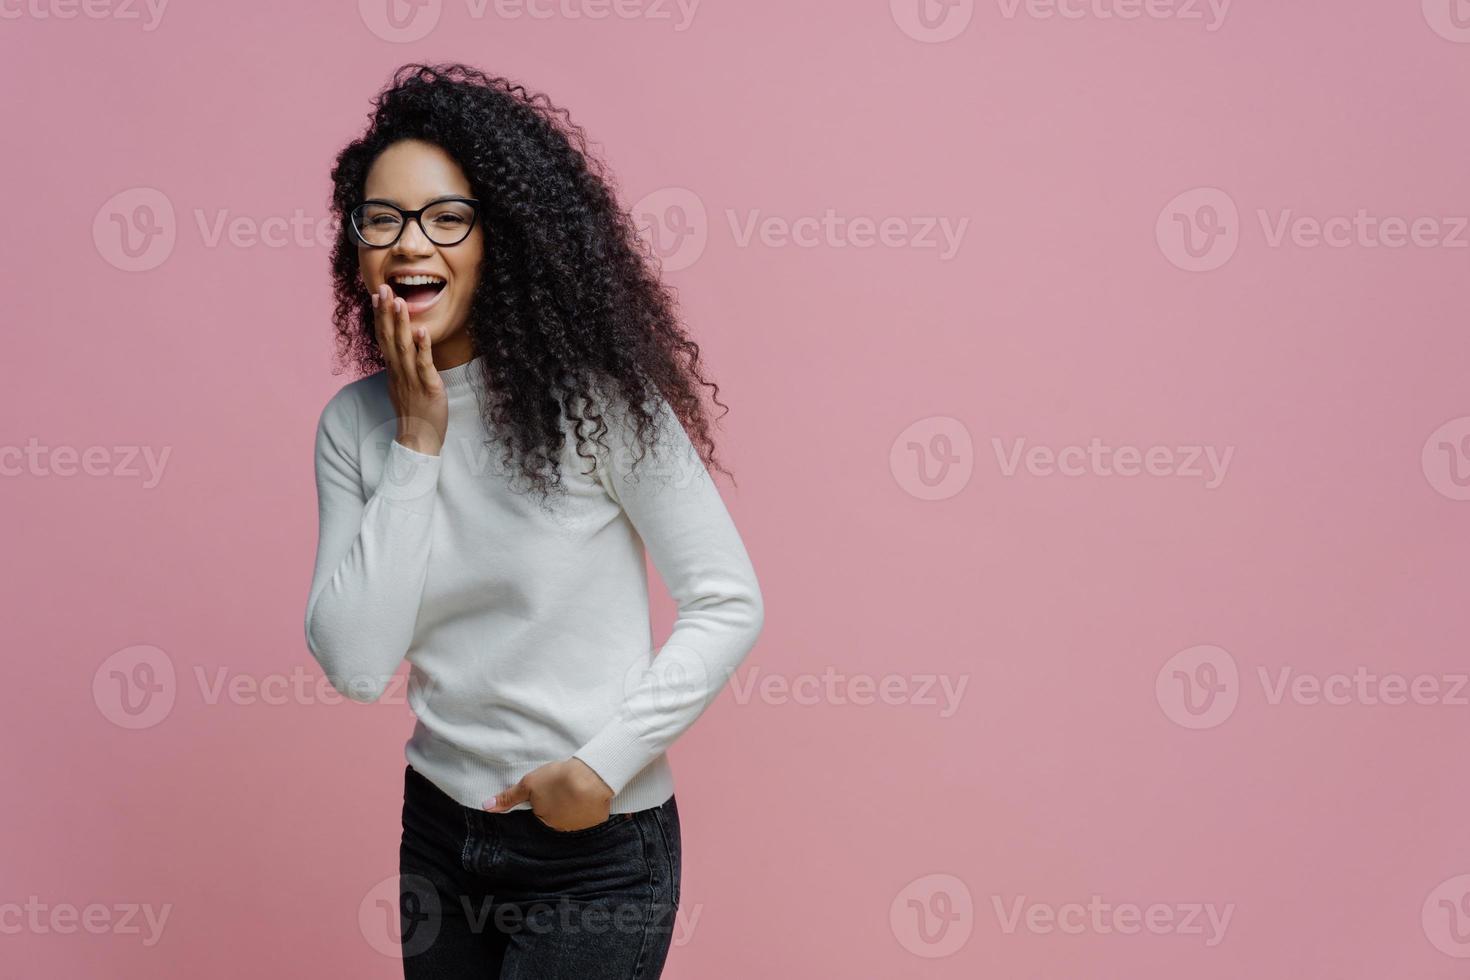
(613, 820)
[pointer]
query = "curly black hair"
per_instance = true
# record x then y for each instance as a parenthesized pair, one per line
(572, 302)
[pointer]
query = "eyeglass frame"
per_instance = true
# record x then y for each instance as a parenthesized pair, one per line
(415, 216)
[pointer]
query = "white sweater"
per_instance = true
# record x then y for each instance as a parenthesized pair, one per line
(526, 626)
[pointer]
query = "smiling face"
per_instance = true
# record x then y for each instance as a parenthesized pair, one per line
(411, 174)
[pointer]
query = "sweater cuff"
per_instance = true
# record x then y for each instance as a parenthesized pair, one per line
(616, 753)
(409, 476)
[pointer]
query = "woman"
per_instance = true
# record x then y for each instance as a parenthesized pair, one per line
(532, 423)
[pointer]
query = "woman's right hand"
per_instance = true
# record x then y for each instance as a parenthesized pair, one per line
(413, 381)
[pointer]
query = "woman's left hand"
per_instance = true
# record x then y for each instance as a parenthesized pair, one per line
(566, 795)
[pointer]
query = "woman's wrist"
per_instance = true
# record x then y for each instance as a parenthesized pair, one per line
(419, 443)
(587, 780)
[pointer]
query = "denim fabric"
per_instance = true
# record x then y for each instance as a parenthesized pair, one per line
(504, 895)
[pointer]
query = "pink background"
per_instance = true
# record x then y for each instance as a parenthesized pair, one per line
(823, 837)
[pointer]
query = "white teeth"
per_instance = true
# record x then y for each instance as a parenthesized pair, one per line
(416, 280)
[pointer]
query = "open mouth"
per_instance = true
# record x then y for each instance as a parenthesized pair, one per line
(416, 288)
(419, 292)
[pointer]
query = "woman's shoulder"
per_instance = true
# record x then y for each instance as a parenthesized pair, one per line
(356, 407)
(358, 394)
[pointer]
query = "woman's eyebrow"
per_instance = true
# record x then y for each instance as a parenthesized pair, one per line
(441, 197)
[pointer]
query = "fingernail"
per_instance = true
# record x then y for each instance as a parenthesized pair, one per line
(489, 804)
(375, 301)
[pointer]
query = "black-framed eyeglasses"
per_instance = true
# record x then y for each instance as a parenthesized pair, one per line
(378, 224)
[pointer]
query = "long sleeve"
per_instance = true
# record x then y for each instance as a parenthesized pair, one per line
(372, 555)
(672, 501)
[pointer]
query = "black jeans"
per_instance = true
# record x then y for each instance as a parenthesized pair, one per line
(490, 895)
